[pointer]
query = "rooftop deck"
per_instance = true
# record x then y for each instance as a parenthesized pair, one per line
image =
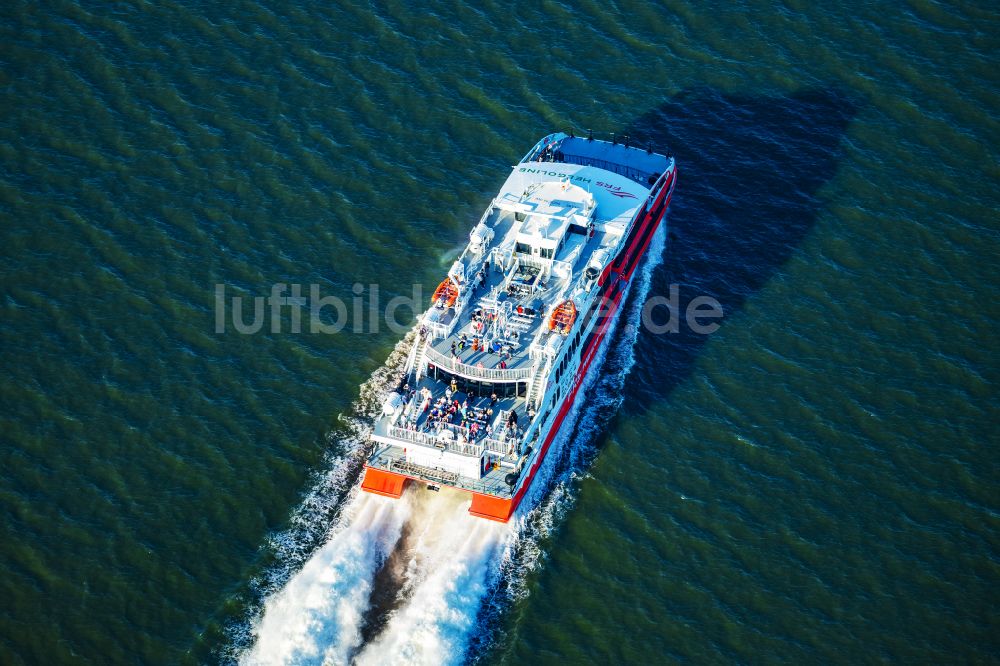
(504, 312)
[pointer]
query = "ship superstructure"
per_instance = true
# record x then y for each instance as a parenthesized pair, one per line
(512, 329)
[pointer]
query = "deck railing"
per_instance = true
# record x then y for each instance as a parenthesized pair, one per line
(466, 448)
(498, 447)
(415, 436)
(434, 440)
(472, 371)
(438, 330)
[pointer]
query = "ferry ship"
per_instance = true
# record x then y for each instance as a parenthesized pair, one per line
(513, 328)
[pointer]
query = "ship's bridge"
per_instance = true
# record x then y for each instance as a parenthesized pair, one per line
(547, 211)
(599, 195)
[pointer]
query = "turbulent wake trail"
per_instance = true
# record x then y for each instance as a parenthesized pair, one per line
(445, 557)
(316, 617)
(450, 564)
(404, 581)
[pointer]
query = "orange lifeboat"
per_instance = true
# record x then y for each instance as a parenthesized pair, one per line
(446, 293)
(563, 317)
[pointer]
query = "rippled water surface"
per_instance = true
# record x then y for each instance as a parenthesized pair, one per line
(816, 481)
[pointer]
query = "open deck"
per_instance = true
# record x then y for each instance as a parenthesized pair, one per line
(488, 430)
(505, 311)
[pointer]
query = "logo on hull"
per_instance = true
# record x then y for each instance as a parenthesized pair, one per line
(616, 190)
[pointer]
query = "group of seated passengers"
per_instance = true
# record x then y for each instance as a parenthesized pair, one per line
(517, 288)
(482, 317)
(449, 411)
(546, 154)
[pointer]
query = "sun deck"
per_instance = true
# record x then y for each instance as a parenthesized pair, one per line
(489, 334)
(489, 429)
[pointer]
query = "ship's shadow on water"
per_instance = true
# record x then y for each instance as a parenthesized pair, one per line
(749, 171)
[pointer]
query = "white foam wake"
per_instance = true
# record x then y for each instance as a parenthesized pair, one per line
(316, 617)
(450, 563)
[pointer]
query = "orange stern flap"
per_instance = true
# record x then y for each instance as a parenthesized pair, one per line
(383, 483)
(493, 508)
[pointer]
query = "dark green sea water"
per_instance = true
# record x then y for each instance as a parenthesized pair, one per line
(816, 482)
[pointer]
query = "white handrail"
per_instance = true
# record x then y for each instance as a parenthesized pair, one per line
(472, 371)
(433, 439)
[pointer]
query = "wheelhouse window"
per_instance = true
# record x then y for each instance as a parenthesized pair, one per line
(524, 248)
